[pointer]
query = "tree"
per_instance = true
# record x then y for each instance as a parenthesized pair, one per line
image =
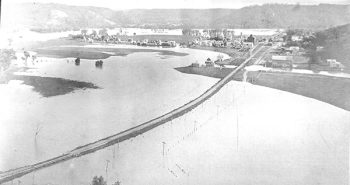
(98, 181)
(220, 57)
(6, 55)
(117, 183)
(186, 31)
(103, 32)
(94, 33)
(84, 32)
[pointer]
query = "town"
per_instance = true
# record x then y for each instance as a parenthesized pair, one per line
(290, 49)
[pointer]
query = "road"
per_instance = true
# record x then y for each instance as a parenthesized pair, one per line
(259, 55)
(132, 132)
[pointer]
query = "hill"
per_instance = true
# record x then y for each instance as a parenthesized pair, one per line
(51, 17)
(336, 42)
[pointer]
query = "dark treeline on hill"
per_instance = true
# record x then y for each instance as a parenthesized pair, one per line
(336, 43)
(57, 17)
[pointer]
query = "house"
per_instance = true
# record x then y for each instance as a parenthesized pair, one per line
(300, 59)
(278, 61)
(205, 43)
(294, 48)
(195, 64)
(209, 63)
(281, 57)
(333, 63)
(251, 39)
(280, 44)
(172, 43)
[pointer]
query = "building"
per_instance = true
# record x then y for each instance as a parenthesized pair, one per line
(334, 64)
(294, 48)
(251, 39)
(209, 63)
(278, 61)
(195, 64)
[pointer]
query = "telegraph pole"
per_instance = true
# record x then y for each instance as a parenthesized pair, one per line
(107, 161)
(163, 153)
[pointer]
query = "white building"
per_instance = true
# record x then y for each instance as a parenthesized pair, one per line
(296, 38)
(281, 57)
(333, 63)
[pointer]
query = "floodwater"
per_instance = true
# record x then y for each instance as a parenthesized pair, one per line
(245, 134)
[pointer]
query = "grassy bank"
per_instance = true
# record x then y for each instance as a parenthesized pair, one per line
(329, 89)
(332, 90)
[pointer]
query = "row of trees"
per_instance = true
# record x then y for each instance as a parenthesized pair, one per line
(102, 32)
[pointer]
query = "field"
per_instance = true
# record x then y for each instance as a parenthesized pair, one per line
(333, 90)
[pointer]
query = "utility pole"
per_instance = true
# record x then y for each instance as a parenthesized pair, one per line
(217, 111)
(107, 161)
(163, 153)
(33, 179)
(237, 129)
(113, 165)
(195, 126)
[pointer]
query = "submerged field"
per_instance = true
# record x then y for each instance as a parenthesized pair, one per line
(97, 53)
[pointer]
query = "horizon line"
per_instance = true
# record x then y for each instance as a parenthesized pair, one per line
(185, 8)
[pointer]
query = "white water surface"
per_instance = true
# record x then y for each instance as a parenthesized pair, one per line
(245, 134)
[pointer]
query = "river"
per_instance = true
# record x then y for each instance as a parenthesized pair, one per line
(245, 134)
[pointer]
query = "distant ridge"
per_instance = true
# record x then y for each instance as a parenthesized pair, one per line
(57, 17)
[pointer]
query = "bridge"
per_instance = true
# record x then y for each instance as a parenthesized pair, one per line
(9, 175)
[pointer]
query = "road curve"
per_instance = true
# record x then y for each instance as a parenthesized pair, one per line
(9, 175)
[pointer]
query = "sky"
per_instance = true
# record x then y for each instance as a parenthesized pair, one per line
(198, 4)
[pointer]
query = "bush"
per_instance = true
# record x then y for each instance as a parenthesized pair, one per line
(6, 55)
(98, 181)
